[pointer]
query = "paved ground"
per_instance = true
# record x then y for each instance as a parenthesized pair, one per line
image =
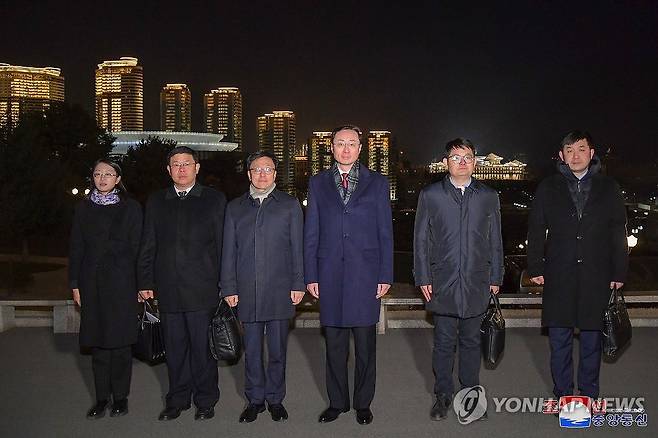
(46, 387)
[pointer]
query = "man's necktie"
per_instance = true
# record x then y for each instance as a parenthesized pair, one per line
(182, 194)
(345, 182)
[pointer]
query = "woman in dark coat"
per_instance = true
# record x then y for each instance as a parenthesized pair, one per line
(103, 252)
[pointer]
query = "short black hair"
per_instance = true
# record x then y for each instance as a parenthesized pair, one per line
(349, 128)
(576, 135)
(262, 154)
(183, 150)
(460, 143)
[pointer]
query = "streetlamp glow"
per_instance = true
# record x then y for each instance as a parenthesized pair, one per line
(632, 241)
(74, 191)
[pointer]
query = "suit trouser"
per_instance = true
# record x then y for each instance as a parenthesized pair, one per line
(338, 347)
(112, 372)
(260, 386)
(192, 369)
(589, 364)
(448, 330)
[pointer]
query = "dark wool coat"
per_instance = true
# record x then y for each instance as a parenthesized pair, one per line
(102, 256)
(348, 248)
(458, 247)
(182, 248)
(262, 259)
(577, 257)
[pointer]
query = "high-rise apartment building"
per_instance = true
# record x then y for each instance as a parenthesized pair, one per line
(120, 95)
(223, 113)
(302, 171)
(380, 157)
(319, 151)
(27, 89)
(176, 108)
(276, 133)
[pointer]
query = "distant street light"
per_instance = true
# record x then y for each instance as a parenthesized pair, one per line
(86, 191)
(632, 241)
(74, 191)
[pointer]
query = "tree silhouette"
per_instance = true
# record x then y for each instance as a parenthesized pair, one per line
(144, 167)
(42, 160)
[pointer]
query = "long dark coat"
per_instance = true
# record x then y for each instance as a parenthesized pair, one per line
(578, 258)
(102, 256)
(182, 248)
(458, 247)
(348, 249)
(262, 259)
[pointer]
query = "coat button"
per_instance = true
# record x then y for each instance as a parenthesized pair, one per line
(580, 260)
(346, 236)
(579, 237)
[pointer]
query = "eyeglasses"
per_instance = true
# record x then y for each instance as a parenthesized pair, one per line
(351, 145)
(99, 175)
(266, 170)
(468, 159)
(184, 165)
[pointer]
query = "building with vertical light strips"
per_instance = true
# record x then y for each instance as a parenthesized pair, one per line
(120, 95)
(380, 158)
(223, 113)
(28, 89)
(276, 133)
(319, 151)
(175, 108)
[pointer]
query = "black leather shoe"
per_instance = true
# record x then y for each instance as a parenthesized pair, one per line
(278, 412)
(119, 408)
(364, 416)
(98, 410)
(204, 413)
(171, 413)
(440, 409)
(251, 412)
(330, 414)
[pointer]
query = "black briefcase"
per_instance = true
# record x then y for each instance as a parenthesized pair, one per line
(150, 346)
(617, 329)
(225, 334)
(492, 332)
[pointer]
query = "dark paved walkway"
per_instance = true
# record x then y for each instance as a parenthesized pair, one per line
(46, 387)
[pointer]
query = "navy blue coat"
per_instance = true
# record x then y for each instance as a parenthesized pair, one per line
(262, 258)
(458, 247)
(348, 249)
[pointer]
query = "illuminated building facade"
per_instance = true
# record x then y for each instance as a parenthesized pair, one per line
(120, 95)
(490, 167)
(379, 158)
(175, 108)
(319, 151)
(28, 89)
(302, 171)
(223, 113)
(276, 133)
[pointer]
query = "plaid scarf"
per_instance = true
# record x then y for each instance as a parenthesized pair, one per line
(352, 181)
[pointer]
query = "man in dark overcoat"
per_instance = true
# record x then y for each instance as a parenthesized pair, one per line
(263, 275)
(458, 263)
(348, 265)
(179, 262)
(577, 249)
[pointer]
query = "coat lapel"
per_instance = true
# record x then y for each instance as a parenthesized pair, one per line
(365, 178)
(330, 185)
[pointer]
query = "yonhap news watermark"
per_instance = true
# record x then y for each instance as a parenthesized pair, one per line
(572, 411)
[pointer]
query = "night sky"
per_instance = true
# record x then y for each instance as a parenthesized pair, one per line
(513, 77)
